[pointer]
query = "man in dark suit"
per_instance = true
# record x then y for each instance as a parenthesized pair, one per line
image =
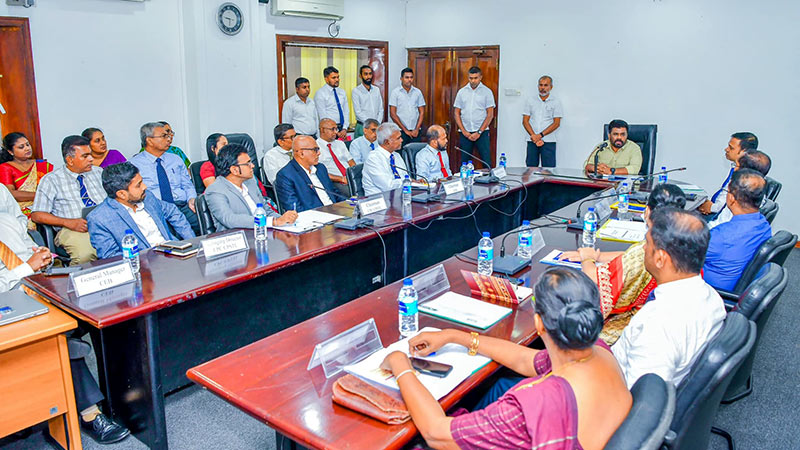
(303, 182)
(128, 207)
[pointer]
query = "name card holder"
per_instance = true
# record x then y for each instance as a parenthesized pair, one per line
(222, 245)
(431, 283)
(453, 187)
(347, 347)
(537, 241)
(99, 278)
(223, 264)
(603, 209)
(373, 205)
(499, 172)
(127, 291)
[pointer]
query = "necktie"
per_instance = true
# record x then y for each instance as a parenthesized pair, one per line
(724, 184)
(372, 146)
(163, 183)
(87, 201)
(9, 258)
(441, 161)
(394, 168)
(337, 162)
(339, 107)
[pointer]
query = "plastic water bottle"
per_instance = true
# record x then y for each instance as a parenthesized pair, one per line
(406, 191)
(260, 223)
(662, 177)
(589, 228)
(130, 250)
(463, 174)
(470, 172)
(525, 241)
(485, 255)
(623, 195)
(408, 313)
(503, 160)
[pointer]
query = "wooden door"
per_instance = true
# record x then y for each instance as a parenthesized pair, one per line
(17, 82)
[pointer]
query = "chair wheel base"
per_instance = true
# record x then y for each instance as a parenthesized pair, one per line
(736, 397)
(726, 435)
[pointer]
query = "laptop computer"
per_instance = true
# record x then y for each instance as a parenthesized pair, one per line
(15, 305)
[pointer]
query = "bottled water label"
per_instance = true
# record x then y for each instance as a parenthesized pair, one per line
(407, 189)
(524, 241)
(485, 254)
(130, 252)
(260, 221)
(408, 308)
(589, 226)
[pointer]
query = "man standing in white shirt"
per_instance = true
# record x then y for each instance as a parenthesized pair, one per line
(546, 112)
(367, 101)
(334, 155)
(384, 169)
(667, 334)
(407, 107)
(331, 101)
(300, 111)
(360, 147)
(432, 162)
(474, 111)
(280, 155)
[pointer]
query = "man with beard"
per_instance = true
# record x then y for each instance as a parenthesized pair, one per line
(546, 112)
(617, 155)
(331, 101)
(128, 207)
(367, 101)
(432, 162)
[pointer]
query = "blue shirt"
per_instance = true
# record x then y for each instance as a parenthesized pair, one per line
(429, 166)
(179, 179)
(360, 148)
(731, 248)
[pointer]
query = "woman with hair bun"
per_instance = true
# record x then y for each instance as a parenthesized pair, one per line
(575, 396)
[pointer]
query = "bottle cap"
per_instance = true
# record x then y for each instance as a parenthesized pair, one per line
(486, 234)
(128, 231)
(408, 282)
(406, 177)
(591, 209)
(525, 223)
(463, 163)
(259, 205)
(470, 161)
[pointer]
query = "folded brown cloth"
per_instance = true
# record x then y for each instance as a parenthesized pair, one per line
(356, 394)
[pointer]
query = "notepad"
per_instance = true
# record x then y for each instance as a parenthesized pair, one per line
(552, 259)
(465, 310)
(309, 220)
(622, 231)
(635, 207)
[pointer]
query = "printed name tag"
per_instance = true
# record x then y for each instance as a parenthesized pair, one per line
(96, 279)
(372, 206)
(222, 245)
(499, 172)
(453, 187)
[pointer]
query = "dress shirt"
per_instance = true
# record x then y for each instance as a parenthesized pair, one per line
(473, 104)
(59, 192)
(15, 235)
(732, 246)
(377, 174)
(542, 113)
(429, 166)
(323, 196)
(360, 148)
(179, 180)
(367, 104)
(719, 197)
(667, 334)
(628, 157)
(302, 115)
(726, 215)
(274, 160)
(10, 206)
(326, 105)
(407, 104)
(325, 157)
(146, 224)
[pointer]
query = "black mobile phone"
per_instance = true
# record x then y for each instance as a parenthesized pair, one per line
(55, 271)
(431, 367)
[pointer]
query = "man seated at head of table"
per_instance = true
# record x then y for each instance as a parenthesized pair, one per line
(234, 196)
(668, 333)
(756, 160)
(617, 155)
(303, 183)
(432, 161)
(361, 146)
(734, 243)
(64, 193)
(575, 397)
(280, 155)
(385, 169)
(128, 207)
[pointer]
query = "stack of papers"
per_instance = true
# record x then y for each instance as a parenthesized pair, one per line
(622, 231)
(309, 220)
(552, 259)
(691, 188)
(465, 310)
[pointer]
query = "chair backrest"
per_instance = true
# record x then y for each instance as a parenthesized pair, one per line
(354, 182)
(649, 418)
(772, 189)
(409, 153)
(246, 141)
(645, 136)
(699, 394)
(204, 215)
(769, 209)
(194, 170)
(271, 192)
(775, 249)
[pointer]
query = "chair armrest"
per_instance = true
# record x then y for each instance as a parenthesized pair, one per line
(669, 439)
(728, 295)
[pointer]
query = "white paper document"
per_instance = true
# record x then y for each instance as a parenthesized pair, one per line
(689, 188)
(453, 354)
(465, 310)
(309, 220)
(552, 259)
(623, 231)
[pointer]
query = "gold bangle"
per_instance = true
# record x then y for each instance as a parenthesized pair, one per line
(589, 260)
(397, 377)
(473, 347)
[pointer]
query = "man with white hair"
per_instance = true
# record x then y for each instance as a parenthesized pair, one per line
(384, 170)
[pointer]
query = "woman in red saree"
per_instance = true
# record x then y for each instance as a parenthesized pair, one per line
(20, 172)
(575, 398)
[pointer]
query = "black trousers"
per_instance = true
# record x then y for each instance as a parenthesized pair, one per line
(408, 139)
(547, 152)
(87, 393)
(482, 144)
(191, 216)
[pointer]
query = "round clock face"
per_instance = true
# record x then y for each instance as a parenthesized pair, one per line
(229, 19)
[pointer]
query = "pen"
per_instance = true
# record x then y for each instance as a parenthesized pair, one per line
(294, 206)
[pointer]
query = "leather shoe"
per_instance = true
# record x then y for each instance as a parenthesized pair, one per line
(104, 430)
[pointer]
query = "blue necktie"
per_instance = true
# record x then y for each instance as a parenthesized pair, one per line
(339, 107)
(724, 184)
(87, 201)
(163, 182)
(394, 168)
(372, 146)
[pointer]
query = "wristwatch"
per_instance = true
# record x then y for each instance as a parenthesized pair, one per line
(613, 170)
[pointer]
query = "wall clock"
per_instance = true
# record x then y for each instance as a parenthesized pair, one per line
(230, 19)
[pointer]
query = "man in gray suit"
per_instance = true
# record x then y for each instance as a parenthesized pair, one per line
(234, 196)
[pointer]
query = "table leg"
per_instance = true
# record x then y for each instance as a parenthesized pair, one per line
(64, 429)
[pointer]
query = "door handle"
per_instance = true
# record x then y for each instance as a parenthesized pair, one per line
(447, 127)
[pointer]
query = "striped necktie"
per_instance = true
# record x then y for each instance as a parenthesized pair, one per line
(394, 167)
(9, 258)
(87, 201)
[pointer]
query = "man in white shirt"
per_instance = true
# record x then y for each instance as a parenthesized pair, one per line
(756, 160)
(384, 169)
(300, 111)
(10, 206)
(29, 258)
(360, 147)
(546, 112)
(739, 144)
(331, 101)
(474, 111)
(432, 162)
(334, 155)
(407, 107)
(367, 101)
(280, 155)
(667, 334)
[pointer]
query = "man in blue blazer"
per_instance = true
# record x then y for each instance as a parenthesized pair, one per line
(303, 182)
(128, 207)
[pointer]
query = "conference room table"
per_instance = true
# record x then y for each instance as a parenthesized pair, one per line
(184, 312)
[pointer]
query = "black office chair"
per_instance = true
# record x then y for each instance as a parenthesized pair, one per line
(775, 249)
(204, 215)
(649, 418)
(769, 209)
(699, 394)
(48, 234)
(409, 153)
(756, 303)
(271, 192)
(772, 189)
(246, 141)
(194, 170)
(645, 137)
(354, 180)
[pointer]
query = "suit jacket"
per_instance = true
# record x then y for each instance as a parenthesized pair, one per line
(227, 206)
(292, 186)
(108, 222)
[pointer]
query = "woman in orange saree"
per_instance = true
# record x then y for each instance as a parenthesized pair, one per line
(20, 172)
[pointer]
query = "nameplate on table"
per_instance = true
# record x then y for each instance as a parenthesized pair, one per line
(603, 209)
(222, 245)
(373, 205)
(96, 279)
(499, 172)
(453, 187)
(537, 241)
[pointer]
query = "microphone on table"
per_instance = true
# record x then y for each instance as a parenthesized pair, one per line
(577, 224)
(642, 197)
(485, 179)
(352, 223)
(426, 196)
(329, 192)
(512, 264)
(597, 155)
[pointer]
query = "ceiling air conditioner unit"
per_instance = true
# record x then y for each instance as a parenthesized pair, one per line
(316, 9)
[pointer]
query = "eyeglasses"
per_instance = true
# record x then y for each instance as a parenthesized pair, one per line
(291, 138)
(248, 163)
(161, 136)
(331, 128)
(312, 149)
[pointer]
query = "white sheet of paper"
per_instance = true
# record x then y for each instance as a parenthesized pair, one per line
(309, 220)
(623, 230)
(465, 310)
(552, 259)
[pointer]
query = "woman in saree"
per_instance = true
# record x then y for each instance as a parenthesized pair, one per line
(20, 172)
(214, 142)
(624, 283)
(575, 396)
(103, 157)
